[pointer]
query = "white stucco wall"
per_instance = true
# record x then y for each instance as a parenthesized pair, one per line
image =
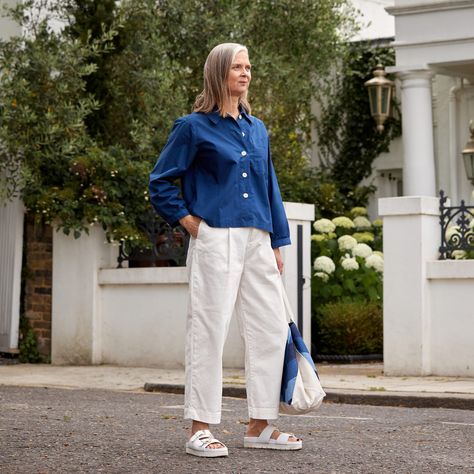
(375, 21)
(137, 316)
(7, 27)
(428, 316)
(451, 283)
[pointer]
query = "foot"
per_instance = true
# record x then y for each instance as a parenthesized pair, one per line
(199, 425)
(255, 428)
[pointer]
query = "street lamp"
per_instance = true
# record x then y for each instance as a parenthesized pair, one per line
(380, 96)
(468, 154)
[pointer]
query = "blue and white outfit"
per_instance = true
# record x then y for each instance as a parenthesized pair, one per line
(228, 180)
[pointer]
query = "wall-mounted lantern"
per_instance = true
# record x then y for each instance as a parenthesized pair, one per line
(380, 95)
(468, 154)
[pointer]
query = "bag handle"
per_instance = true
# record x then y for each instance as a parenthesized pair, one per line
(290, 316)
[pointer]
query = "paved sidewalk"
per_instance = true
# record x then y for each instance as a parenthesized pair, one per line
(351, 383)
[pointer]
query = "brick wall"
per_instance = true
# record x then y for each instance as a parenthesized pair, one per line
(37, 269)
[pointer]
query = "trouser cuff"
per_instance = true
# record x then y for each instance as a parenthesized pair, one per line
(264, 413)
(203, 416)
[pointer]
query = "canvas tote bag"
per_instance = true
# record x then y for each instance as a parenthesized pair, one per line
(301, 390)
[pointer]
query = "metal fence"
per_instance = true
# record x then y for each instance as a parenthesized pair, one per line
(168, 246)
(457, 229)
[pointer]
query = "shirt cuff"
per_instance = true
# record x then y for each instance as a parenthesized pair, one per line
(177, 217)
(280, 242)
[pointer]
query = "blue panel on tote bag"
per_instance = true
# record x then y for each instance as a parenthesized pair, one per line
(294, 344)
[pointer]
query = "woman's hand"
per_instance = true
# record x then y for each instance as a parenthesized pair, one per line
(191, 224)
(279, 260)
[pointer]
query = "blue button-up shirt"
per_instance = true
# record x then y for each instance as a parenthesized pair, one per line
(227, 175)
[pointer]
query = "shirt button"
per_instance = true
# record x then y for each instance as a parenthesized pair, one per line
(244, 174)
(245, 195)
(243, 153)
(243, 134)
(240, 116)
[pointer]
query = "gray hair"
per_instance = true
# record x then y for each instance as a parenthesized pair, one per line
(216, 71)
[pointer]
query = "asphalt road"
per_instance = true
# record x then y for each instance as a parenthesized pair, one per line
(92, 431)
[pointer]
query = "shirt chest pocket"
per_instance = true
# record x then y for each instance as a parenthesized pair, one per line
(259, 144)
(259, 166)
(259, 154)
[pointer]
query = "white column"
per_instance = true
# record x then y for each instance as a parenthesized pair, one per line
(11, 251)
(417, 128)
(411, 238)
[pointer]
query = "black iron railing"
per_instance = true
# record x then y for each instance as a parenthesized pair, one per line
(168, 246)
(457, 231)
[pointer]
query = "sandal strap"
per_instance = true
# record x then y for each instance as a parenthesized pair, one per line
(205, 438)
(200, 435)
(266, 434)
(211, 441)
(283, 438)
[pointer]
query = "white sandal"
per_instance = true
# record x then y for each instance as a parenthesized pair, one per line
(198, 445)
(265, 441)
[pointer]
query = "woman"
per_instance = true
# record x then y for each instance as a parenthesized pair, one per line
(231, 205)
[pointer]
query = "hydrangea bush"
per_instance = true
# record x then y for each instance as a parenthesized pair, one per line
(453, 236)
(347, 284)
(348, 261)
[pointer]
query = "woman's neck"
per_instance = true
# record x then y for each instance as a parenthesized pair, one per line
(232, 107)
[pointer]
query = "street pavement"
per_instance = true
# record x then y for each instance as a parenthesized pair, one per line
(89, 430)
(350, 383)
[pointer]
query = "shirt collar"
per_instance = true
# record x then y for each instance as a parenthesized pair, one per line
(214, 116)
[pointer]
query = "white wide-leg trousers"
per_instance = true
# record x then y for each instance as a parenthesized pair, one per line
(233, 270)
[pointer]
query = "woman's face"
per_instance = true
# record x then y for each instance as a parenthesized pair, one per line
(239, 74)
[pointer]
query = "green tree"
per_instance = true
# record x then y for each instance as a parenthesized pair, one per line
(85, 110)
(348, 140)
(78, 152)
(292, 47)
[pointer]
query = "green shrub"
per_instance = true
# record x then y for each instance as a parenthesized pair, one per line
(348, 265)
(28, 346)
(349, 328)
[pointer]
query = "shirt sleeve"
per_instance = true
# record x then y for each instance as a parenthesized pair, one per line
(175, 159)
(281, 231)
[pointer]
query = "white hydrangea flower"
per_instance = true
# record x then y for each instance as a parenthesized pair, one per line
(323, 276)
(318, 237)
(346, 242)
(362, 222)
(359, 211)
(324, 264)
(363, 237)
(377, 252)
(458, 254)
(361, 250)
(350, 264)
(324, 226)
(377, 223)
(344, 222)
(375, 262)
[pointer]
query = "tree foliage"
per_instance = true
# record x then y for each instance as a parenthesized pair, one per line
(86, 107)
(348, 140)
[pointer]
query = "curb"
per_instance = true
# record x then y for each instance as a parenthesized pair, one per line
(354, 397)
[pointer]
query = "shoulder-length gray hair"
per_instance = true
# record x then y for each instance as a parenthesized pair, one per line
(216, 71)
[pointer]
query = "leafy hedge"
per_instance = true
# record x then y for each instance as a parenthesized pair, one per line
(348, 328)
(85, 110)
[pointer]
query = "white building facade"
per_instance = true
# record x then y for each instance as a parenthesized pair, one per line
(428, 318)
